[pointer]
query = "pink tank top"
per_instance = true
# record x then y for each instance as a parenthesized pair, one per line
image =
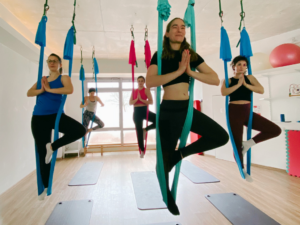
(142, 94)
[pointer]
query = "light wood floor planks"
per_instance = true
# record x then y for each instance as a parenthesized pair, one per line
(273, 192)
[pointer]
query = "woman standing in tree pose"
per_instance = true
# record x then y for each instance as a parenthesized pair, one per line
(239, 91)
(177, 60)
(44, 115)
(140, 102)
(90, 102)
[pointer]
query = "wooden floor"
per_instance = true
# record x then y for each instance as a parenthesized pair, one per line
(273, 192)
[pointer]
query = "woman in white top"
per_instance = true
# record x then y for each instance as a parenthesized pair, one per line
(90, 102)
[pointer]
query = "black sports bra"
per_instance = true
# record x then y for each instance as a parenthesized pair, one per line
(171, 65)
(242, 93)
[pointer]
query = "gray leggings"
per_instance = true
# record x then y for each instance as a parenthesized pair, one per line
(88, 116)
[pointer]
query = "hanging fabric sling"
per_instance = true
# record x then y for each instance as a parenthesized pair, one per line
(226, 56)
(133, 62)
(246, 50)
(40, 39)
(95, 71)
(163, 14)
(147, 62)
(82, 78)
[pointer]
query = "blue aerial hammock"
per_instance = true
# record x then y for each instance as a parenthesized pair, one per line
(96, 71)
(68, 55)
(163, 14)
(82, 78)
(225, 55)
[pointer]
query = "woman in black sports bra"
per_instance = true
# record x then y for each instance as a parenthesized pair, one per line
(177, 60)
(239, 91)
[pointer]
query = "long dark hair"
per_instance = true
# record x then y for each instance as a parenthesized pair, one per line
(59, 59)
(168, 52)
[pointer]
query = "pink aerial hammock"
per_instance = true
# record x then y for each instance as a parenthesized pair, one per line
(132, 61)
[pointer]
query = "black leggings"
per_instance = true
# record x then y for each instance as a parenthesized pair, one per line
(140, 114)
(171, 121)
(41, 127)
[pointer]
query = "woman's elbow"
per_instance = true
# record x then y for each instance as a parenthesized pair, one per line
(28, 94)
(217, 81)
(148, 84)
(223, 93)
(71, 91)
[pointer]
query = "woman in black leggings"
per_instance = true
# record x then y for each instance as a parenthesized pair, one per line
(177, 60)
(44, 114)
(139, 100)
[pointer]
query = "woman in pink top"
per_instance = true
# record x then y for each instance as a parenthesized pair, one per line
(141, 98)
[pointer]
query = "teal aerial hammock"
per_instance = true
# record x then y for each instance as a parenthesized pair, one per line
(163, 14)
(40, 39)
(82, 78)
(95, 71)
(225, 55)
(68, 55)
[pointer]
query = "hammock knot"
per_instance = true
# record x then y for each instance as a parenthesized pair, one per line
(164, 9)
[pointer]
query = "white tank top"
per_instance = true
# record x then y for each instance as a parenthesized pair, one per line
(91, 105)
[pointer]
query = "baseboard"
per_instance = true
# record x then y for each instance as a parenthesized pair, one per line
(268, 167)
(253, 164)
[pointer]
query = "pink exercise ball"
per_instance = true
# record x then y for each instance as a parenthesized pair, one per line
(285, 55)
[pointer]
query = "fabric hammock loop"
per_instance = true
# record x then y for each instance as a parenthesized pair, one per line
(81, 59)
(46, 8)
(93, 55)
(131, 31)
(242, 15)
(146, 34)
(73, 22)
(221, 12)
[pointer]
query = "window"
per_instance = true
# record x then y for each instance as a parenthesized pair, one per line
(117, 114)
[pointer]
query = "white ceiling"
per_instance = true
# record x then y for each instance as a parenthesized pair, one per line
(105, 24)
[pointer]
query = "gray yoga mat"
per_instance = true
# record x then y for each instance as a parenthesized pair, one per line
(71, 213)
(88, 174)
(147, 191)
(238, 211)
(169, 223)
(195, 174)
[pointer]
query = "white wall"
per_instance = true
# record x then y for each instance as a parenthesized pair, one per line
(17, 155)
(272, 152)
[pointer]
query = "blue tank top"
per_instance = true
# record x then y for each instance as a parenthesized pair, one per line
(48, 103)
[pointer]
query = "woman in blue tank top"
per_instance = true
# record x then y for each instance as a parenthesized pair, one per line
(49, 98)
(239, 91)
